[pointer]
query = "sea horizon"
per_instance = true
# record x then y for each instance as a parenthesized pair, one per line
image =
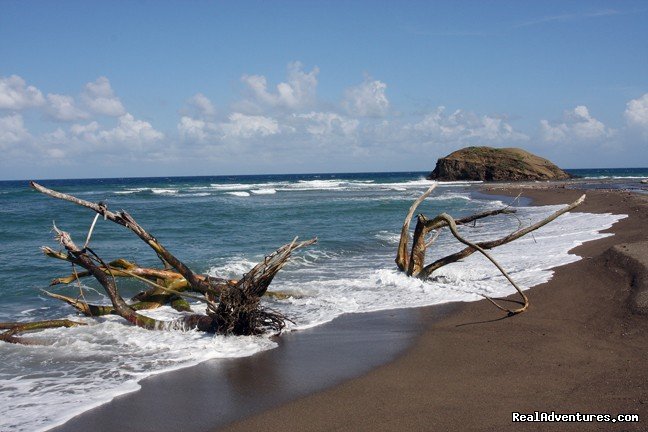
(575, 171)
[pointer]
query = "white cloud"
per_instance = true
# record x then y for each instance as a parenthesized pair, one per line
(461, 126)
(327, 123)
(191, 129)
(56, 143)
(367, 99)
(62, 107)
(129, 134)
(299, 91)
(86, 130)
(237, 126)
(636, 112)
(204, 107)
(15, 95)
(247, 126)
(576, 125)
(12, 130)
(100, 98)
(131, 131)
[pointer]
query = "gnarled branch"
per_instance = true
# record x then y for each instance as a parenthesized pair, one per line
(402, 259)
(429, 269)
(414, 265)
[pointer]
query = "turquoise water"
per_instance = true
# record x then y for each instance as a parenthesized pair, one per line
(223, 226)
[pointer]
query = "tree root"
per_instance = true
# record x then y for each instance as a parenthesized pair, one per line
(414, 265)
(233, 306)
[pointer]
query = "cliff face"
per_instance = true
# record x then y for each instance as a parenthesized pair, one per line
(495, 164)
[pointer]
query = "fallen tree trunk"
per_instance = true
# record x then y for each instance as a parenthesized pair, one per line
(233, 306)
(414, 264)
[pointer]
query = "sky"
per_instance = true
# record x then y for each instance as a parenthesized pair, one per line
(172, 88)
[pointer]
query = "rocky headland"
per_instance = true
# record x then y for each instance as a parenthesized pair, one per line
(495, 164)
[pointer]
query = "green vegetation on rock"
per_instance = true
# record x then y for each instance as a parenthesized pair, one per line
(495, 164)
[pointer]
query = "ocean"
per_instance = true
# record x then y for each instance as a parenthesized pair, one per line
(223, 225)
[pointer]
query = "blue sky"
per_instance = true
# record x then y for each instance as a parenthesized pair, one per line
(146, 88)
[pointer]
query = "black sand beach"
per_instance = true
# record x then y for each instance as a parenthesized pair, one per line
(579, 348)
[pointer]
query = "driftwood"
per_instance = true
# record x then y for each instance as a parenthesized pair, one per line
(14, 329)
(233, 306)
(414, 263)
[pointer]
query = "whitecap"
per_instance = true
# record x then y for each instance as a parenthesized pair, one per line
(131, 191)
(266, 191)
(232, 268)
(163, 191)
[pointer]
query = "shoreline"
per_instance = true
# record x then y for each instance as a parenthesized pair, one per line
(577, 349)
(271, 395)
(221, 391)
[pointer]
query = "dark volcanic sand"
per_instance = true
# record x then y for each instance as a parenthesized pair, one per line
(577, 349)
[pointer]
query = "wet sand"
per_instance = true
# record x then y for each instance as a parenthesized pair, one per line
(221, 391)
(577, 349)
(455, 367)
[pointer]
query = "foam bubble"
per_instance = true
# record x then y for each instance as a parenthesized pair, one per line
(239, 193)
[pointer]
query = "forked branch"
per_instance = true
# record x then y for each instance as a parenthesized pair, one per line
(413, 264)
(126, 220)
(429, 269)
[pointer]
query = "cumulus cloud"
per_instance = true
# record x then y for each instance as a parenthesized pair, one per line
(298, 91)
(247, 126)
(129, 134)
(576, 125)
(100, 98)
(636, 113)
(12, 130)
(15, 94)
(191, 129)
(237, 126)
(328, 123)
(367, 99)
(131, 131)
(462, 126)
(80, 129)
(202, 105)
(63, 107)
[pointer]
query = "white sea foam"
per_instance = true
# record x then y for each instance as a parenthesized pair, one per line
(131, 191)
(264, 191)
(387, 237)
(361, 288)
(88, 366)
(164, 191)
(41, 386)
(451, 196)
(233, 268)
(271, 187)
